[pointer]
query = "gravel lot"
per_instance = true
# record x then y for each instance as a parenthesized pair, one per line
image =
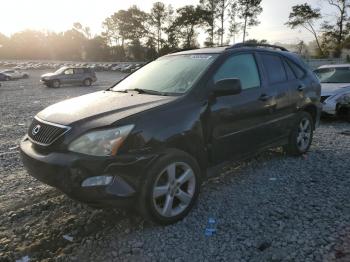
(270, 208)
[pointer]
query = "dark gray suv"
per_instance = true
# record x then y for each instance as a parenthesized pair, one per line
(69, 75)
(146, 143)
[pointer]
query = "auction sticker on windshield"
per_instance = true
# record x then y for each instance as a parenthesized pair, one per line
(205, 57)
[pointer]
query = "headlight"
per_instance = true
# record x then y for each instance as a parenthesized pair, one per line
(101, 143)
(344, 99)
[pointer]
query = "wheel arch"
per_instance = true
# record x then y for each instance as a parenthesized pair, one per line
(194, 146)
(312, 110)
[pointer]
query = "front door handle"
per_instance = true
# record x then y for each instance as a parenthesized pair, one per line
(264, 97)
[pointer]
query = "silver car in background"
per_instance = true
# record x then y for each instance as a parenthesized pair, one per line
(335, 92)
(14, 74)
(70, 75)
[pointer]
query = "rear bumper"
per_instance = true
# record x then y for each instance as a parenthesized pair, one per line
(66, 172)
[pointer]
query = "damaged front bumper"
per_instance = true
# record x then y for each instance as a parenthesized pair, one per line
(332, 105)
(67, 171)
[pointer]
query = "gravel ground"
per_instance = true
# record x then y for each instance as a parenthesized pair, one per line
(270, 208)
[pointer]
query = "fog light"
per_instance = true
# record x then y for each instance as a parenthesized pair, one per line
(97, 181)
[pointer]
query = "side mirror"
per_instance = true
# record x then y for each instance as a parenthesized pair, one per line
(227, 87)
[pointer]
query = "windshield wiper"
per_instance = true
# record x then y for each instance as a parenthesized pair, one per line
(147, 91)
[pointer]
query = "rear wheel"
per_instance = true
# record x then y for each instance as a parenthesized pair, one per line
(170, 189)
(56, 83)
(87, 82)
(301, 136)
(7, 78)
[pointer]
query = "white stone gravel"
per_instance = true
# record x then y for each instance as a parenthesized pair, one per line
(270, 208)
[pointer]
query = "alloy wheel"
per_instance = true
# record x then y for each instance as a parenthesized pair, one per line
(304, 134)
(174, 189)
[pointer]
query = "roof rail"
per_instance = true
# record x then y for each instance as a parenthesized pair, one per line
(240, 45)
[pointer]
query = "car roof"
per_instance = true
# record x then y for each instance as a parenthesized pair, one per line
(335, 66)
(223, 49)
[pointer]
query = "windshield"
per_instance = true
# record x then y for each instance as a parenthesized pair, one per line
(169, 74)
(61, 70)
(334, 75)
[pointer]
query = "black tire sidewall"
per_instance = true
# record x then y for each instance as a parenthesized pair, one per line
(146, 205)
(87, 82)
(53, 83)
(292, 147)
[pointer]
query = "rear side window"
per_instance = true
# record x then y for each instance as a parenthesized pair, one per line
(290, 73)
(274, 67)
(79, 71)
(242, 67)
(297, 70)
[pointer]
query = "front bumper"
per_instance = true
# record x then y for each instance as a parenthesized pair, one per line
(66, 171)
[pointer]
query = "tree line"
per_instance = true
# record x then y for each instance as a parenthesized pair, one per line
(331, 32)
(134, 34)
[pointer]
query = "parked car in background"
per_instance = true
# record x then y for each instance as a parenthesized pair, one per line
(70, 75)
(3, 77)
(335, 92)
(147, 142)
(14, 74)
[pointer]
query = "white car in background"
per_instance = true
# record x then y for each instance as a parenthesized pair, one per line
(335, 92)
(14, 74)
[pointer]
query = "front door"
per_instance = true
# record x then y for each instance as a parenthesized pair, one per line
(237, 122)
(68, 76)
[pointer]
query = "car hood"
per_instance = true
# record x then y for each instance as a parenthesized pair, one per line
(104, 106)
(330, 89)
(48, 74)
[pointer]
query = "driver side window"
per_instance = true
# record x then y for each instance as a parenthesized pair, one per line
(242, 67)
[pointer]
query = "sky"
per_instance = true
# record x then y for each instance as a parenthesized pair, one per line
(59, 15)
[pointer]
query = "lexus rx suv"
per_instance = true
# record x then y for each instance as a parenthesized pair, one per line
(147, 141)
(69, 75)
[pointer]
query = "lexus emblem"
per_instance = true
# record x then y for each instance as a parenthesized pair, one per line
(36, 130)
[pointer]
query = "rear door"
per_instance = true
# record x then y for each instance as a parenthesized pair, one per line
(238, 122)
(79, 75)
(280, 84)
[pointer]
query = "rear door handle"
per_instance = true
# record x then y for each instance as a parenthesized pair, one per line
(301, 88)
(264, 97)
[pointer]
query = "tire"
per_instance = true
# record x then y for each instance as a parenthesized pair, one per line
(55, 84)
(8, 78)
(301, 135)
(175, 179)
(87, 82)
(347, 116)
(25, 76)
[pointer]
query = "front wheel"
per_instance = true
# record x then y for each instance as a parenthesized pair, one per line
(170, 189)
(87, 82)
(301, 136)
(55, 84)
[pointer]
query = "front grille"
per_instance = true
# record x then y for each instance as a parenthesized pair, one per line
(44, 133)
(324, 98)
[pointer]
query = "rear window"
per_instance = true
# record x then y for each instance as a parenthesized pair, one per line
(275, 70)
